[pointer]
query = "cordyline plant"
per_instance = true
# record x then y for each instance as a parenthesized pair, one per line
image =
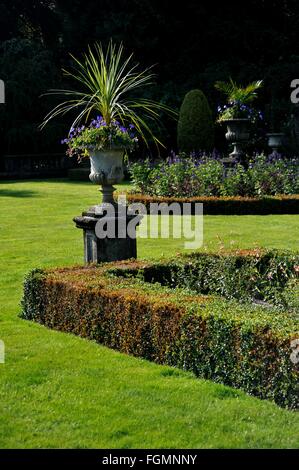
(108, 84)
(238, 100)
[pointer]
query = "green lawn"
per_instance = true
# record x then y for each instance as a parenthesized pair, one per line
(57, 390)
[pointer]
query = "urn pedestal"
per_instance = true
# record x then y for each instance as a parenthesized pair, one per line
(115, 248)
(100, 244)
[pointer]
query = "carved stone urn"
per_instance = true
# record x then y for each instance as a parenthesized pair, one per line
(238, 133)
(275, 140)
(106, 169)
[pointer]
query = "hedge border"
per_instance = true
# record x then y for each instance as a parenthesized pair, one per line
(283, 204)
(267, 277)
(239, 345)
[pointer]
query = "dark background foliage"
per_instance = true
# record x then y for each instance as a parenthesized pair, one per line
(193, 44)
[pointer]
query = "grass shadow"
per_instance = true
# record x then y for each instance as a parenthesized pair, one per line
(17, 193)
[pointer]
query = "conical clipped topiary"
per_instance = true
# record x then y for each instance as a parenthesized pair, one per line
(195, 125)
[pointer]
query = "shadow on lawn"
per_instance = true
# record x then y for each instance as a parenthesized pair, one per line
(17, 193)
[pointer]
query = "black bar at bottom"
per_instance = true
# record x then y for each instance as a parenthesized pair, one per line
(135, 458)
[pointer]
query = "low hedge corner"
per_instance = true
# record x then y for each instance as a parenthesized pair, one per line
(183, 313)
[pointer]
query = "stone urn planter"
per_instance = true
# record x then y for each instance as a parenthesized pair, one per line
(115, 123)
(275, 140)
(238, 133)
(106, 169)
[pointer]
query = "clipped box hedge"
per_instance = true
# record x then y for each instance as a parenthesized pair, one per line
(242, 345)
(261, 276)
(234, 205)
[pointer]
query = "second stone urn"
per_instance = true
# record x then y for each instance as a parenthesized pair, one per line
(106, 169)
(238, 133)
(275, 140)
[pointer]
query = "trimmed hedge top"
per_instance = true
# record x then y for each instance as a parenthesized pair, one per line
(264, 282)
(108, 279)
(229, 205)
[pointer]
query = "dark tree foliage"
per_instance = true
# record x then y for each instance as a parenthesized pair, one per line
(28, 70)
(193, 44)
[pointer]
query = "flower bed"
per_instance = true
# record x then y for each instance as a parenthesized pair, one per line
(245, 346)
(199, 175)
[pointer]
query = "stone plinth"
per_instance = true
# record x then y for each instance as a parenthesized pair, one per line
(115, 248)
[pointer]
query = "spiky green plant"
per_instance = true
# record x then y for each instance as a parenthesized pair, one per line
(237, 94)
(108, 84)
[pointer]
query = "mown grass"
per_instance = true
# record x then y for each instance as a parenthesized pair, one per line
(57, 390)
